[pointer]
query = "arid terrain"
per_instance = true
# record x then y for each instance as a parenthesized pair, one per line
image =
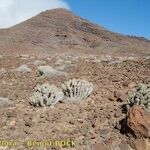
(115, 64)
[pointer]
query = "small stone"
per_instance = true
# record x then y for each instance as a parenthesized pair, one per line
(147, 144)
(42, 115)
(13, 128)
(12, 123)
(28, 122)
(97, 123)
(112, 98)
(118, 113)
(27, 131)
(105, 133)
(11, 114)
(72, 122)
(80, 120)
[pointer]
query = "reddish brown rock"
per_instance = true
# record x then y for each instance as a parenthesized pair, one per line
(138, 120)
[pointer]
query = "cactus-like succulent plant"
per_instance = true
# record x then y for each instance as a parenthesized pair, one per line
(46, 95)
(141, 96)
(76, 89)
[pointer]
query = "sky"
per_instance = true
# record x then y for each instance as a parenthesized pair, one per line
(15, 11)
(130, 17)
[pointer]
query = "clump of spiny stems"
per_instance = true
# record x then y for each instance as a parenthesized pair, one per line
(76, 89)
(72, 90)
(141, 96)
(46, 95)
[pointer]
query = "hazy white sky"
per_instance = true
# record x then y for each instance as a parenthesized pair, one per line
(16, 11)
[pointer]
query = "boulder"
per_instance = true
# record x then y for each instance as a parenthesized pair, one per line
(138, 120)
(24, 69)
(5, 102)
(48, 71)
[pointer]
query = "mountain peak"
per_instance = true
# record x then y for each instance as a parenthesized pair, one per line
(61, 29)
(57, 10)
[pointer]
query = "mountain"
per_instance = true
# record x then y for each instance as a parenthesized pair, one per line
(59, 30)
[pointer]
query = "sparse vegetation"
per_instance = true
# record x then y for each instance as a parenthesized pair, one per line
(46, 95)
(141, 96)
(76, 89)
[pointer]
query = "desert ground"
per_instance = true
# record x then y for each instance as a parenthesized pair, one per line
(94, 123)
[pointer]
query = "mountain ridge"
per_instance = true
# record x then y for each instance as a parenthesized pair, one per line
(59, 30)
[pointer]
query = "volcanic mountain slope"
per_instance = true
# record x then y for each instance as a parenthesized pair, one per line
(60, 30)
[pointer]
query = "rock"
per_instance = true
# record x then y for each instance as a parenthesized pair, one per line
(48, 71)
(11, 114)
(61, 68)
(5, 102)
(121, 95)
(138, 120)
(112, 98)
(39, 62)
(100, 146)
(138, 144)
(24, 69)
(124, 146)
(59, 62)
(2, 71)
(118, 113)
(147, 144)
(12, 125)
(28, 122)
(129, 84)
(24, 56)
(48, 59)
(67, 62)
(105, 133)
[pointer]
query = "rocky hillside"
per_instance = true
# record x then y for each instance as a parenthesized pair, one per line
(60, 30)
